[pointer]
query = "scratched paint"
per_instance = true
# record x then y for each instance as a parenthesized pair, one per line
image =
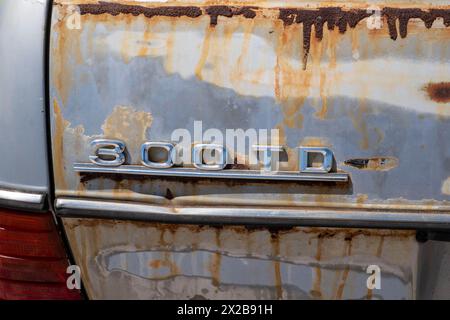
(243, 66)
(373, 163)
(126, 260)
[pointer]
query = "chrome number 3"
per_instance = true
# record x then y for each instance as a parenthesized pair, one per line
(107, 152)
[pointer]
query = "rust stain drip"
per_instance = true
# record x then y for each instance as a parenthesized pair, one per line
(116, 8)
(316, 291)
(58, 146)
(348, 253)
(275, 240)
(439, 92)
(291, 84)
(380, 247)
(405, 14)
(204, 53)
(216, 261)
(226, 11)
(334, 17)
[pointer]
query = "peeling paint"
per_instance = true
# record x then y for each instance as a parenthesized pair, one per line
(379, 163)
(124, 123)
(129, 125)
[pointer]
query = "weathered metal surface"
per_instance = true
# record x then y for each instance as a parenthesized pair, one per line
(126, 260)
(370, 85)
(319, 72)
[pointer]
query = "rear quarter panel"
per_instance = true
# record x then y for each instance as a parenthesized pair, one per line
(374, 89)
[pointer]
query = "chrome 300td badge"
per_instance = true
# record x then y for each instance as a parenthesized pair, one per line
(182, 158)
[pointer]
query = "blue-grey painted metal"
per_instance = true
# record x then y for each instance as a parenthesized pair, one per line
(24, 165)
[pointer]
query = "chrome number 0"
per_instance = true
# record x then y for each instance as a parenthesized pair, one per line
(108, 153)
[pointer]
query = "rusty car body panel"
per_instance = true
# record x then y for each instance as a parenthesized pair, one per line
(370, 80)
(240, 72)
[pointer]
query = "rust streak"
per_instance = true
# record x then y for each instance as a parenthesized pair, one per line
(276, 264)
(216, 262)
(204, 53)
(322, 113)
(316, 292)
(58, 146)
(340, 290)
(170, 42)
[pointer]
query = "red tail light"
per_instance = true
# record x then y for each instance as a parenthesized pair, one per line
(32, 259)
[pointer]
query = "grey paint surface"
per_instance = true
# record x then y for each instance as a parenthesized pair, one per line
(22, 106)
